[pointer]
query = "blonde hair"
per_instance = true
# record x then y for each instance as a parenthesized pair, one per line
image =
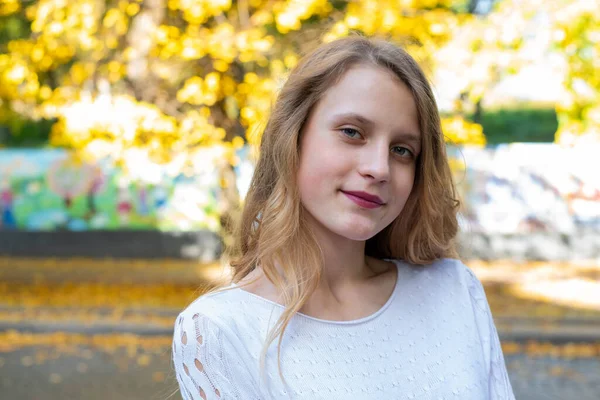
(273, 230)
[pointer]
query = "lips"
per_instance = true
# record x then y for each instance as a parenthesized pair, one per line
(364, 199)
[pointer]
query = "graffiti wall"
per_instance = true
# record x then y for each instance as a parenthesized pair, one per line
(523, 187)
(515, 188)
(51, 190)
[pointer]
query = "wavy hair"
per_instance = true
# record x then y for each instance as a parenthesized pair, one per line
(273, 229)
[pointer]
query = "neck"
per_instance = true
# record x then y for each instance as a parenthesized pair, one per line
(344, 261)
(343, 288)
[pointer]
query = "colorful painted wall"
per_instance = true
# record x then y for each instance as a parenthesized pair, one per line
(514, 188)
(50, 190)
(525, 187)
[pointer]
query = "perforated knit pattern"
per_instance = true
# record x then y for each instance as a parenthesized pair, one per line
(434, 339)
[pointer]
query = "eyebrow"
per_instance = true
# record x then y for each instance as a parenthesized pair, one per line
(408, 136)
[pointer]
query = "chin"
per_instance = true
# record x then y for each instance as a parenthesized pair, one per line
(359, 233)
(362, 238)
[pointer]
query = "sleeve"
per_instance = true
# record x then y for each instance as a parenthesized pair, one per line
(207, 365)
(498, 380)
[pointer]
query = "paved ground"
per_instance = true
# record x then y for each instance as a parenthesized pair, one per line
(547, 378)
(90, 323)
(91, 374)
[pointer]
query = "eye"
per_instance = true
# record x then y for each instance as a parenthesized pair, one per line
(402, 151)
(351, 133)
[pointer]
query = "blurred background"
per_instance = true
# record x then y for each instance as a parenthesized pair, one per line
(127, 141)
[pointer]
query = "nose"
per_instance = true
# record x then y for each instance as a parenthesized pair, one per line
(375, 162)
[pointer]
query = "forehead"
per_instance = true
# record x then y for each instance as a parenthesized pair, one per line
(375, 93)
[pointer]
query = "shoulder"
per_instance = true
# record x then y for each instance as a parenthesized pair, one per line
(445, 277)
(208, 349)
(220, 310)
(218, 322)
(446, 269)
(464, 284)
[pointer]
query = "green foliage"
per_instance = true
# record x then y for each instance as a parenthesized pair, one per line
(13, 27)
(462, 6)
(519, 123)
(23, 132)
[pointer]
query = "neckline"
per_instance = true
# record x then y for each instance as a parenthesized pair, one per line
(336, 322)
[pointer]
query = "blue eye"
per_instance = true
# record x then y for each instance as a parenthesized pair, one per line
(402, 151)
(351, 133)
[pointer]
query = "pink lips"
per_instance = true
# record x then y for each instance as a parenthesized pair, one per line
(364, 199)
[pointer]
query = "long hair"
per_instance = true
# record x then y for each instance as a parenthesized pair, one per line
(273, 229)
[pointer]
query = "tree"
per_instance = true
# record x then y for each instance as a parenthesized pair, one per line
(486, 49)
(168, 77)
(576, 34)
(517, 33)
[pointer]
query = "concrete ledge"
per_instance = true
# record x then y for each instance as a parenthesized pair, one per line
(522, 332)
(206, 246)
(202, 246)
(93, 329)
(535, 246)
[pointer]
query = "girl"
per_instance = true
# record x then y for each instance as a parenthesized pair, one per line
(345, 252)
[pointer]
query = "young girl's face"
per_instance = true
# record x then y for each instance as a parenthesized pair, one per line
(358, 154)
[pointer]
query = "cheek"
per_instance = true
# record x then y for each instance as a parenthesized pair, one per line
(319, 171)
(404, 185)
(307, 181)
(308, 178)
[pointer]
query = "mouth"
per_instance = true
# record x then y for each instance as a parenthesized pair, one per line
(364, 199)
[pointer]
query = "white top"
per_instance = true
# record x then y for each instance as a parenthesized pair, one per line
(433, 339)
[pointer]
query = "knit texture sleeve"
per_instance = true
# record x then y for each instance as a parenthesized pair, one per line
(206, 363)
(499, 382)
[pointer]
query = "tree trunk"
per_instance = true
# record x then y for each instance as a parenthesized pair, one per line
(139, 38)
(229, 206)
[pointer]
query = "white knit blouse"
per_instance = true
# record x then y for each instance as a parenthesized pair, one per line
(434, 339)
